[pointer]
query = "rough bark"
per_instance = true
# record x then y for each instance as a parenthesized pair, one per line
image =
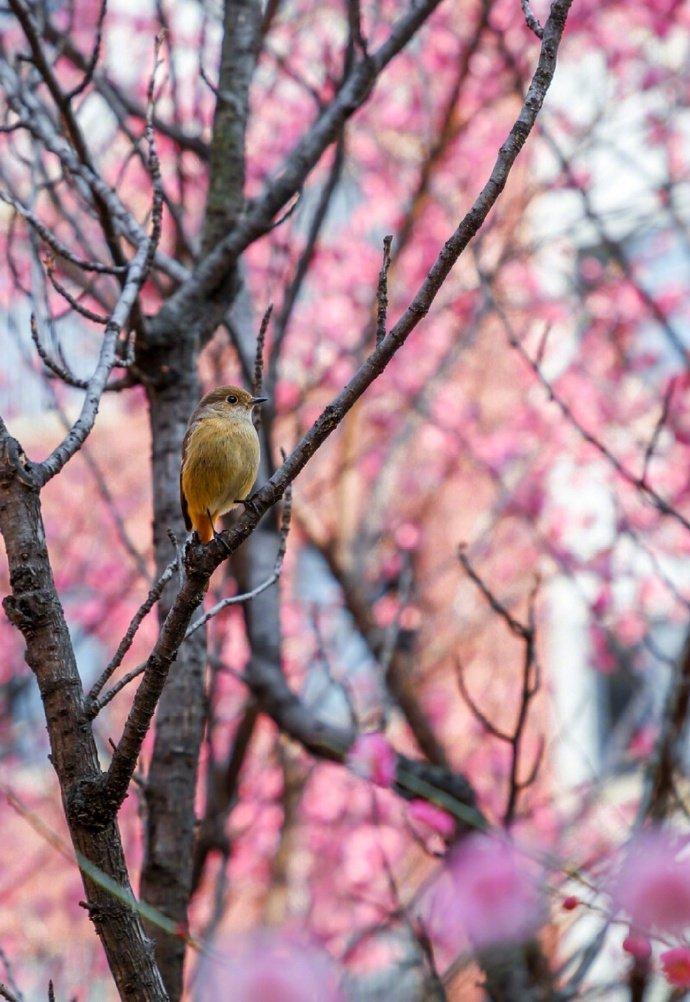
(168, 873)
(166, 879)
(241, 41)
(35, 609)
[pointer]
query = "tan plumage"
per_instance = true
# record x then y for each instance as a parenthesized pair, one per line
(220, 457)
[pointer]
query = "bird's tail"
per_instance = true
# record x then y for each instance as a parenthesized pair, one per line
(203, 525)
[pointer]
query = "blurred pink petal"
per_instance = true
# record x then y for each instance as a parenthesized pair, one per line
(676, 966)
(433, 817)
(638, 947)
(267, 967)
(652, 884)
(373, 758)
(490, 893)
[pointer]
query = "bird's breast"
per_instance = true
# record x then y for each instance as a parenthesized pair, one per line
(220, 464)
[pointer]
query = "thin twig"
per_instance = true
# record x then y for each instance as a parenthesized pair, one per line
(638, 482)
(10, 974)
(257, 383)
(282, 323)
(93, 705)
(658, 428)
(382, 291)
(136, 275)
(487, 724)
(516, 627)
(93, 59)
(68, 377)
(270, 580)
(126, 642)
(58, 248)
(529, 689)
(96, 318)
(531, 19)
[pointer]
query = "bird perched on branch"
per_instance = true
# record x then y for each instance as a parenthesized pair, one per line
(220, 457)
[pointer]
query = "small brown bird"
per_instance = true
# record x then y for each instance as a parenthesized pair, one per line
(220, 457)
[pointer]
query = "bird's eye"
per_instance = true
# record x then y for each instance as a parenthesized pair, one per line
(232, 399)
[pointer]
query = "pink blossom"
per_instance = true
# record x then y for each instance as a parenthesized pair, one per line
(407, 536)
(373, 758)
(676, 966)
(642, 742)
(433, 817)
(490, 893)
(652, 884)
(268, 967)
(638, 947)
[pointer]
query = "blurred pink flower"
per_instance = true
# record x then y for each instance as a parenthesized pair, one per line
(490, 893)
(373, 758)
(638, 947)
(433, 817)
(267, 967)
(407, 536)
(676, 966)
(642, 742)
(652, 884)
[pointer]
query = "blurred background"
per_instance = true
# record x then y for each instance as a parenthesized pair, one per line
(539, 417)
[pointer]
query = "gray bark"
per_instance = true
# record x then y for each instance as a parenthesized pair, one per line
(166, 878)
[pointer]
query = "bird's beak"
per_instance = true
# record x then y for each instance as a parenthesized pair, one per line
(259, 400)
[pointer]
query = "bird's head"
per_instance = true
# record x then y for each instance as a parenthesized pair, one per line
(230, 401)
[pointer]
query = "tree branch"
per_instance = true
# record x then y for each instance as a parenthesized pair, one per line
(201, 561)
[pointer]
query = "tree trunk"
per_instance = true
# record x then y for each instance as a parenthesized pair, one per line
(166, 879)
(35, 609)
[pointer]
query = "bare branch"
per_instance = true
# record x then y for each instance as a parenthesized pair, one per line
(93, 705)
(666, 756)
(514, 625)
(58, 248)
(134, 279)
(354, 17)
(202, 560)
(181, 308)
(658, 428)
(257, 382)
(638, 482)
(93, 59)
(282, 323)
(126, 642)
(64, 374)
(531, 19)
(76, 137)
(382, 291)
(474, 709)
(42, 127)
(96, 318)
(529, 689)
(108, 357)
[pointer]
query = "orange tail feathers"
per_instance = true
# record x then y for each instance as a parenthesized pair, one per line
(202, 524)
